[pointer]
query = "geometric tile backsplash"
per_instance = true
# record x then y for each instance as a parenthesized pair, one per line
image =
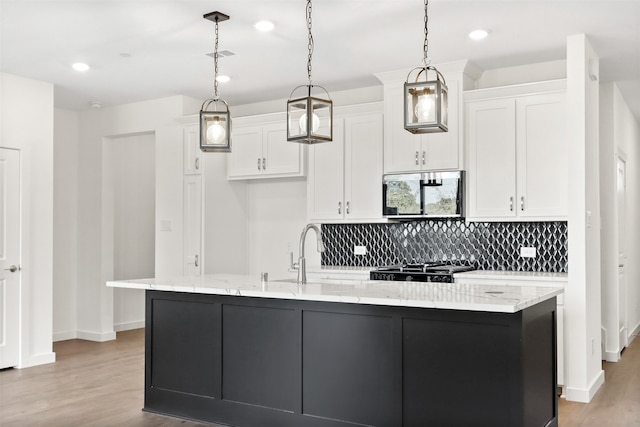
(488, 245)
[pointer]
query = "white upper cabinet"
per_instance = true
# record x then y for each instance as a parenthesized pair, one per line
(517, 153)
(344, 183)
(259, 149)
(191, 146)
(407, 152)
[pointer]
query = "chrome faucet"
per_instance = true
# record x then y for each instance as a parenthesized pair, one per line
(302, 267)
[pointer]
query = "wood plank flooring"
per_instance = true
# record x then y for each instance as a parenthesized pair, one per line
(101, 384)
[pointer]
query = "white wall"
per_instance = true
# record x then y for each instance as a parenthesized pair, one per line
(620, 136)
(65, 218)
(225, 218)
(277, 216)
(627, 139)
(583, 370)
(26, 124)
(131, 160)
(95, 319)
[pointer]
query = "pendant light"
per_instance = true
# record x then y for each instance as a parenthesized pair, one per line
(215, 120)
(425, 102)
(309, 118)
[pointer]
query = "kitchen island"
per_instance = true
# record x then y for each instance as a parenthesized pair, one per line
(234, 350)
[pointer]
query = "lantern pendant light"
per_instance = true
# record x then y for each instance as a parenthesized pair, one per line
(425, 102)
(309, 118)
(215, 120)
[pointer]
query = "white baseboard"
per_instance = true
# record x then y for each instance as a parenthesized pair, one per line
(634, 333)
(38, 359)
(128, 326)
(585, 395)
(63, 336)
(96, 336)
(611, 356)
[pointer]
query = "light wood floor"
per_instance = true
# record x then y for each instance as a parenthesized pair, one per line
(101, 384)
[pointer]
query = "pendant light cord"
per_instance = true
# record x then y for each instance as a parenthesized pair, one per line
(425, 46)
(215, 61)
(310, 42)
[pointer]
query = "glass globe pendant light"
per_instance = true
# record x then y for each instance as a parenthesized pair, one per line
(309, 118)
(425, 102)
(215, 120)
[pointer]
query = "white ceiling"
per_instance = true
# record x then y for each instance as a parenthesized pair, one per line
(147, 49)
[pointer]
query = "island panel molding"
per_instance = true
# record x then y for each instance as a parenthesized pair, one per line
(340, 364)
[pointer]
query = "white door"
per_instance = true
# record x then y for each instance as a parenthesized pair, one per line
(192, 225)
(491, 168)
(622, 232)
(280, 157)
(363, 166)
(325, 180)
(9, 256)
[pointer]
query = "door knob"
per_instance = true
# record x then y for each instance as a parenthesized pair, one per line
(12, 269)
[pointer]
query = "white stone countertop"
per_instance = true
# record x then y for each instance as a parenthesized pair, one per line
(537, 276)
(453, 296)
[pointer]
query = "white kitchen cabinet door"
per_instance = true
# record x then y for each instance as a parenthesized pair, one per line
(262, 151)
(192, 225)
(325, 181)
(281, 157)
(491, 157)
(245, 159)
(192, 153)
(406, 152)
(345, 176)
(363, 167)
(402, 149)
(543, 160)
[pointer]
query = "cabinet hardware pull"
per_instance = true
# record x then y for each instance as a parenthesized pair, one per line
(417, 159)
(348, 208)
(12, 269)
(522, 203)
(511, 204)
(339, 208)
(197, 163)
(264, 164)
(196, 263)
(424, 161)
(258, 163)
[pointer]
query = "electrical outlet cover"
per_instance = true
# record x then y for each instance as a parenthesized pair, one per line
(360, 250)
(528, 252)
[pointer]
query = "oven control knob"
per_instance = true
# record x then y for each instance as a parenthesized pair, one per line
(409, 278)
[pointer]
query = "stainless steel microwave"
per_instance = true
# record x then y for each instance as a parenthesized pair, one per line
(436, 194)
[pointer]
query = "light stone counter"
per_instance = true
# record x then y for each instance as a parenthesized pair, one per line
(474, 297)
(532, 276)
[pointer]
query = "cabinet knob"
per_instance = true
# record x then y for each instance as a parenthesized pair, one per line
(339, 208)
(417, 159)
(196, 262)
(197, 163)
(264, 163)
(258, 163)
(424, 158)
(348, 208)
(511, 204)
(522, 203)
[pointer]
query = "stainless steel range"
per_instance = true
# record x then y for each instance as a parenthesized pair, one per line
(428, 272)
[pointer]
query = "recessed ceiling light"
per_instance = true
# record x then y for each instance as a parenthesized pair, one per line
(264, 26)
(80, 66)
(223, 79)
(478, 34)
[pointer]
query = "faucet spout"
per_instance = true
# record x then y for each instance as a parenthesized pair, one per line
(302, 268)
